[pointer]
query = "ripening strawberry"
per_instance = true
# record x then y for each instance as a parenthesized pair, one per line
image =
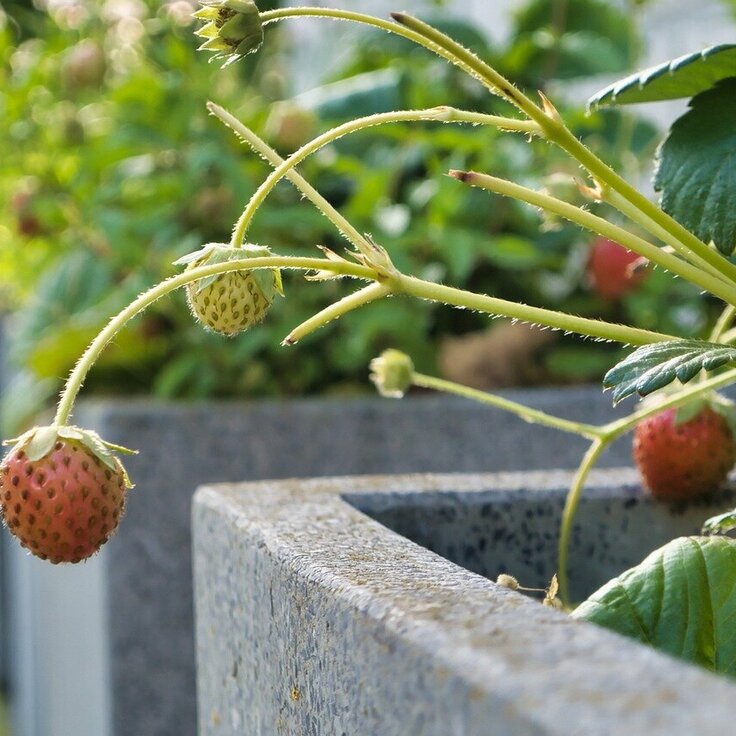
(611, 269)
(62, 492)
(230, 303)
(682, 456)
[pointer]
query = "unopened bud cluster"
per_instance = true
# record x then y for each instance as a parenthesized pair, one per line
(232, 30)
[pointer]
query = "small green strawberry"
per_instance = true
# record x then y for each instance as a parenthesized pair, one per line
(685, 453)
(230, 303)
(232, 30)
(62, 492)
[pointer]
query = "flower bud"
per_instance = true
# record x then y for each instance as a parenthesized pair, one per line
(392, 372)
(233, 28)
(507, 581)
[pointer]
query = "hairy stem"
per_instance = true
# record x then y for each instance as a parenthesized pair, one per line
(537, 315)
(341, 223)
(572, 502)
(585, 219)
(440, 114)
(88, 359)
(528, 414)
(625, 207)
(643, 212)
(360, 298)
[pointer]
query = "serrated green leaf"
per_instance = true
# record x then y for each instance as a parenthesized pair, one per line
(652, 367)
(42, 442)
(681, 600)
(696, 170)
(683, 77)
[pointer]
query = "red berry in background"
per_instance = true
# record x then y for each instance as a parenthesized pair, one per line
(683, 460)
(22, 205)
(62, 493)
(611, 272)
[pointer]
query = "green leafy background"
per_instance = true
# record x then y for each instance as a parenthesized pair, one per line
(112, 170)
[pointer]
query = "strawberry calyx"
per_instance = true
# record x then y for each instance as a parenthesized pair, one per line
(38, 442)
(268, 280)
(233, 28)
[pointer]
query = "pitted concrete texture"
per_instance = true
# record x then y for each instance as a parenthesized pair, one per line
(314, 619)
(149, 590)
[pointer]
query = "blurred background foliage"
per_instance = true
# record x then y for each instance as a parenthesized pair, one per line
(112, 169)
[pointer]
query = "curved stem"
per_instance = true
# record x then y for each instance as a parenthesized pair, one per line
(360, 298)
(537, 315)
(528, 414)
(399, 29)
(89, 357)
(341, 223)
(568, 514)
(597, 224)
(723, 323)
(643, 211)
(440, 114)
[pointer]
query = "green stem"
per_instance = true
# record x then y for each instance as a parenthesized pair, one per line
(537, 315)
(440, 114)
(420, 39)
(598, 225)
(572, 502)
(92, 353)
(644, 212)
(341, 223)
(556, 131)
(607, 434)
(621, 426)
(624, 206)
(349, 303)
(723, 323)
(526, 413)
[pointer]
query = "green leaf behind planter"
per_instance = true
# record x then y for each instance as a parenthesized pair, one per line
(681, 599)
(686, 76)
(696, 172)
(654, 366)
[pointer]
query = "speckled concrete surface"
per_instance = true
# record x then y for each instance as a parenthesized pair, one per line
(314, 619)
(149, 591)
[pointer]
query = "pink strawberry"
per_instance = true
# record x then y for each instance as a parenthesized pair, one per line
(62, 492)
(611, 269)
(682, 456)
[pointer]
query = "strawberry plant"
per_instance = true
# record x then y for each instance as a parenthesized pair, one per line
(232, 286)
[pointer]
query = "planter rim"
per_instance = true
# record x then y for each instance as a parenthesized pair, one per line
(506, 646)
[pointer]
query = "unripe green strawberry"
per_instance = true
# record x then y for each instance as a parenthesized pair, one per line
(62, 492)
(230, 303)
(682, 456)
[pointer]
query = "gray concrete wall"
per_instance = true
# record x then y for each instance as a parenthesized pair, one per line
(314, 619)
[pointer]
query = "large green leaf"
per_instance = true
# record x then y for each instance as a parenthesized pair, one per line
(686, 76)
(696, 171)
(654, 366)
(681, 599)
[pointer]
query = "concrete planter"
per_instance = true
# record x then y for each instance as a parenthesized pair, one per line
(133, 642)
(321, 610)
